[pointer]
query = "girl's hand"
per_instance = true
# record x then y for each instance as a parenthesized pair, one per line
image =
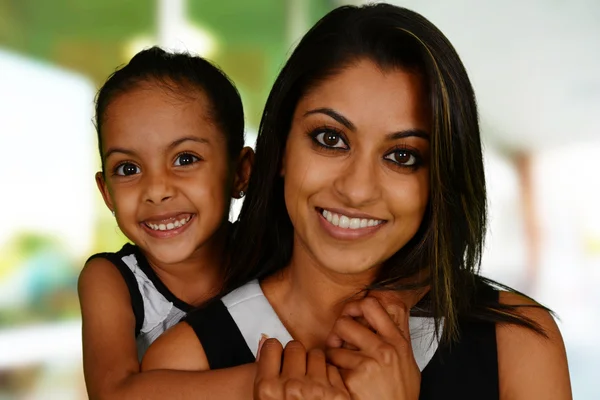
(376, 362)
(302, 376)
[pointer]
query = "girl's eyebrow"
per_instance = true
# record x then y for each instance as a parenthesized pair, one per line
(173, 144)
(114, 150)
(188, 138)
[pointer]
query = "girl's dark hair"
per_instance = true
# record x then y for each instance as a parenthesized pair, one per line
(181, 74)
(449, 243)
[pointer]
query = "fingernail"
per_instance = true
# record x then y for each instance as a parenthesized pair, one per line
(263, 338)
(393, 312)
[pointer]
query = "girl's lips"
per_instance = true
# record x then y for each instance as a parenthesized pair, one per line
(167, 218)
(172, 227)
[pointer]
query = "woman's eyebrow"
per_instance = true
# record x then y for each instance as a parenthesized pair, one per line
(333, 114)
(408, 133)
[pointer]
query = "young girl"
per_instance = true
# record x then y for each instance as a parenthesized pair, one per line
(369, 180)
(170, 133)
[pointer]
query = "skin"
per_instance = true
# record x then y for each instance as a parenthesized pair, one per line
(163, 157)
(365, 175)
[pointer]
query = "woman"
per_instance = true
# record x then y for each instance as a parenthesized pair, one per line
(368, 195)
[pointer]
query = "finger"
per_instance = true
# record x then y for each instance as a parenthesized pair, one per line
(269, 363)
(364, 323)
(316, 366)
(262, 340)
(347, 330)
(407, 298)
(380, 319)
(294, 360)
(345, 359)
(335, 379)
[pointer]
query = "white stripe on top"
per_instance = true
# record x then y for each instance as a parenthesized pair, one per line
(255, 317)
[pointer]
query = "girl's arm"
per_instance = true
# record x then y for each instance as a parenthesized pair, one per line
(110, 362)
(529, 365)
(179, 353)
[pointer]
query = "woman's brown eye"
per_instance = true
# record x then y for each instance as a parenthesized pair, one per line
(331, 139)
(402, 157)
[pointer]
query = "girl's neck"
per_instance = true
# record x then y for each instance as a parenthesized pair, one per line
(198, 277)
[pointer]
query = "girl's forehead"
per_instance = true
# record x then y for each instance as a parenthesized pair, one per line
(149, 117)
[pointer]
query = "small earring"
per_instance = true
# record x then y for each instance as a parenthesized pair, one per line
(242, 193)
(113, 213)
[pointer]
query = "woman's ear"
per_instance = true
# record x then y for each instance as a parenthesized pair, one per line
(101, 183)
(242, 174)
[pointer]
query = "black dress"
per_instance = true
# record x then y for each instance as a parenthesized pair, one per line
(229, 330)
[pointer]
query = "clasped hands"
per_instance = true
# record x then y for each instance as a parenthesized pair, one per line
(368, 356)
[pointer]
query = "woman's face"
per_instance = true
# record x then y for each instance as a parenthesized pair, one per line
(356, 167)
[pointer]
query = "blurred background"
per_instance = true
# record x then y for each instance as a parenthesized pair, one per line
(534, 66)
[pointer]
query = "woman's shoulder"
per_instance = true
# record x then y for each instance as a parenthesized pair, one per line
(523, 352)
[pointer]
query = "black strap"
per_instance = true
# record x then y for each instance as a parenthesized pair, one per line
(158, 284)
(137, 303)
(223, 343)
(467, 369)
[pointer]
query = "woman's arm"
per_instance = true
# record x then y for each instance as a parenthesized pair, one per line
(111, 366)
(529, 365)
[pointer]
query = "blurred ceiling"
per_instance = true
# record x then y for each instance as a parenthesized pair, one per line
(535, 66)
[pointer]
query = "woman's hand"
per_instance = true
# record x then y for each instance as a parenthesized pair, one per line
(376, 362)
(302, 376)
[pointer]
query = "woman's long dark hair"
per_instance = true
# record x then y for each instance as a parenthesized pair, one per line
(449, 243)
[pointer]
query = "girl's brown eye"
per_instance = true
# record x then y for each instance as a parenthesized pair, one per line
(127, 169)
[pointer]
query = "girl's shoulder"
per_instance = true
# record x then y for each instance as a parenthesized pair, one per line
(128, 249)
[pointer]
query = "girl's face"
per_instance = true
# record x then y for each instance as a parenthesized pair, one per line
(167, 173)
(356, 167)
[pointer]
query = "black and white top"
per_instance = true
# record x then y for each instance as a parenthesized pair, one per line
(156, 309)
(231, 329)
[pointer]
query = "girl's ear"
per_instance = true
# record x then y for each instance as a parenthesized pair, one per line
(242, 173)
(104, 191)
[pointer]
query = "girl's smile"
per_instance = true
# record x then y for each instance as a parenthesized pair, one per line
(168, 225)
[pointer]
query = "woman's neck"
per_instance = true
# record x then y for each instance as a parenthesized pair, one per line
(308, 298)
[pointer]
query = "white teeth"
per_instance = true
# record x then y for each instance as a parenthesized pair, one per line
(329, 216)
(335, 220)
(170, 225)
(346, 222)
